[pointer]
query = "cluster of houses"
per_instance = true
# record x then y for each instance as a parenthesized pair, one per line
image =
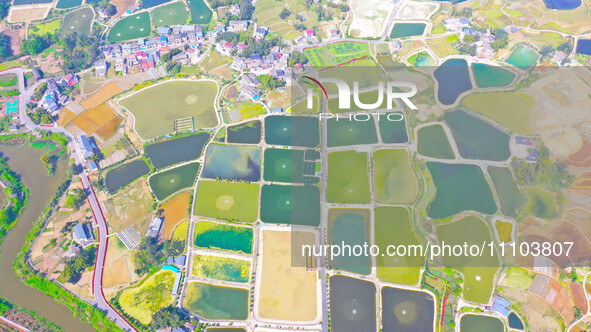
(53, 98)
(525, 148)
(145, 53)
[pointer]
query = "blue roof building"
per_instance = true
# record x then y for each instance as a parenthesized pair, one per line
(180, 260)
(80, 232)
(85, 146)
(177, 283)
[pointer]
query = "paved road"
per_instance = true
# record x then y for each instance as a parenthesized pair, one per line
(97, 284)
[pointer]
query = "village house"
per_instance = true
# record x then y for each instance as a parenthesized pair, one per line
(237, 26)
(100, 68)
(261, 32)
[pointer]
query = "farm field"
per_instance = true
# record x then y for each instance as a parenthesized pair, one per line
(172, 14)
(336, 54)
(130, 206)
(393, 225)
(142, 301)
(227, 200)
(394, 180)
(131, 27)
(101, 95)
(287, 290)
(348, 178)
(118, 266)
(79, 21)
(175, 210)
(512, 110)
(170, 181)
(179, 238)
(28, 13)
(99, 120)
(43, 28)
(267, 14)
(200, 12)
(221, 268)
(181, 99)
(218, 236)
(216, 302)
(67, 4)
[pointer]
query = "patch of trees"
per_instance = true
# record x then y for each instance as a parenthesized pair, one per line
(36, 44)
(269, 82)
(5, 50)
(342, 6)
(16, 200)
(284, 13)
(466, 48)
(75, 266)
(297, 57)
(40, 116)
(168, 317)
(76, 198)
(50, 163)
(262, 47)
(246, 9)
(79, 51)
(554, 174)
(39, 91)
(148, 254)
(501, 39)
(4, 6)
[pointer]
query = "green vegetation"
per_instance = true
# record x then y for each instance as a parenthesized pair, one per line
(176, 245)
(75, 266)
(85, 311)
(41, 29)
(221, 268)
(5, 49)
(148, 255)
(180, 99)
(76, 198)
(336, 54)
(168, 317)
(508, 193)
(227, 200)
(348, 178)
(251, 110)
(8, 80)
(16, 197)
(551, 174)
(504, 230)
(154, 293)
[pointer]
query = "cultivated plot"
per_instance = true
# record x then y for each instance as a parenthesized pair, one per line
(227, 200)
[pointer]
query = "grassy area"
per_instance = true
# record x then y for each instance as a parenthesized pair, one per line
(348, 178)
(540, 203)
(511, 109)
(180, 99)
(227, 200)
(10, 64)
(518, 277)
(442, 47)
(251, 110)
(221, 268)
(504, 230)
(8, 80)
(43, 28)
(143, 301)
(131, 27)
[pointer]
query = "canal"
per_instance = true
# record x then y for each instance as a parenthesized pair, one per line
(25, 162)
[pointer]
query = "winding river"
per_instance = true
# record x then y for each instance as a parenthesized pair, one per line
(25, 162)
